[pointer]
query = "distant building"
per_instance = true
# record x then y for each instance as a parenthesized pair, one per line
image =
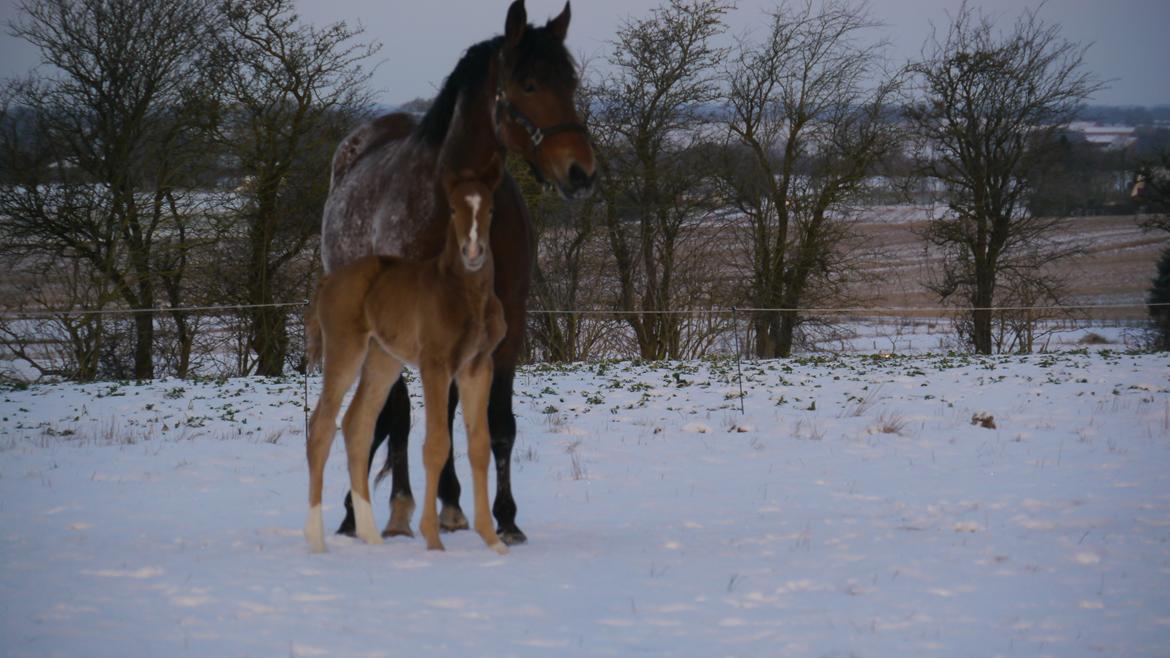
(1104, 136)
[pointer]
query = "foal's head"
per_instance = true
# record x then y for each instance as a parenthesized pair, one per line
(470, 200)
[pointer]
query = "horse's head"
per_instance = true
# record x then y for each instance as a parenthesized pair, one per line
(469, 195)
(535, 116)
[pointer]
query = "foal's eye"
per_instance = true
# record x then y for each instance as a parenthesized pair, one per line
(529, 86)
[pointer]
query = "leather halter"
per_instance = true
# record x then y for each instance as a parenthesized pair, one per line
(535, 134)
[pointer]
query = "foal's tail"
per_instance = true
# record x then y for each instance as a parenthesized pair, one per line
(313, 339)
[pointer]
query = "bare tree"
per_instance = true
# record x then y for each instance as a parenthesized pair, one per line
(66, 343)
(566, 264)
(290, 92)
(1152, 190)
(110, 140)
(807, 129)
(1158, 303)
(568, 274)
(648, 128)
(988, 109)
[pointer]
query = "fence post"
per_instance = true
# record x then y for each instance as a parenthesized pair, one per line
(738, 369)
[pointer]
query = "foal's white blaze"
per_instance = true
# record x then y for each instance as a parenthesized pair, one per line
(315, 530)
(363, 516)
(473, 200)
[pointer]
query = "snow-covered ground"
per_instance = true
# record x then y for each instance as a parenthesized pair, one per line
(910, 506)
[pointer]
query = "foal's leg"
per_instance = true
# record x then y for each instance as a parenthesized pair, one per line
(475, 381)
(343, 357)
(436, 378)
(393, 427)
(451, 517)
(379, 373)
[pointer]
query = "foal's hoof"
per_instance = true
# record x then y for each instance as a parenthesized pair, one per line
(512, 536)
(372, 538)
(347, 527)
(452, 519)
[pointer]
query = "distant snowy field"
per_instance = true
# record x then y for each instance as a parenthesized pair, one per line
(860, 507)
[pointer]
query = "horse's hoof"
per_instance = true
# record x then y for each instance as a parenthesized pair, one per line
(435, 546)
(397, 532)
(452, 519)
(512, 536)
(401, 511)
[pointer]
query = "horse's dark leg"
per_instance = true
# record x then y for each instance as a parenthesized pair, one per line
(502, 425)
(451, 518)
(393, 423)
(395, 420)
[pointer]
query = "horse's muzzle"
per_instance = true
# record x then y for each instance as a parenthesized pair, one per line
(580, 184)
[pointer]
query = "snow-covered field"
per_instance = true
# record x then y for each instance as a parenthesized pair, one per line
(927, 505)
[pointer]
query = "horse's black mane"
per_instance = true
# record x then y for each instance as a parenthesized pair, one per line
(540, 54)
(470, 72)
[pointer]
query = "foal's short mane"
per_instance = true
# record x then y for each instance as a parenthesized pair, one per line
(540, 55)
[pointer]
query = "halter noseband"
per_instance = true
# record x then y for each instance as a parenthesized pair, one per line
(535, 134)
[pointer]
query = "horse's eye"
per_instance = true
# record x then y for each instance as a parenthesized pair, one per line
(529, 86)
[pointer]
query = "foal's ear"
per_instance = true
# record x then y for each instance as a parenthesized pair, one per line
(516, 23)
(466, 176)
(559, 26)
(492, 172)
(451, 180)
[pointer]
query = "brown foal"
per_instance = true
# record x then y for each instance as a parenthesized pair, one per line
(441, 315)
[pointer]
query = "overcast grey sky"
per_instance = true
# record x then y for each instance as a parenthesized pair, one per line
(424, 38)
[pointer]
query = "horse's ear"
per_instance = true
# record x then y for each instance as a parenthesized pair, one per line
(560, 25)
(516, 23)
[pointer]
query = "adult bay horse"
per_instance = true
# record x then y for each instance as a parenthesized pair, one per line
(514, 93)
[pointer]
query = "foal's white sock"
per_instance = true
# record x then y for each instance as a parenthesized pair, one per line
(363, 516)
(315, 530)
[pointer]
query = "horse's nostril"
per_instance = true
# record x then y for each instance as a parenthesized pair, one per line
(578, 178)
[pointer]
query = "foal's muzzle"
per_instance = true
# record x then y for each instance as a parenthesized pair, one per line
(473, 254)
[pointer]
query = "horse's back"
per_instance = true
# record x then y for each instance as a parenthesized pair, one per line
(366, 138)
(380, 194)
